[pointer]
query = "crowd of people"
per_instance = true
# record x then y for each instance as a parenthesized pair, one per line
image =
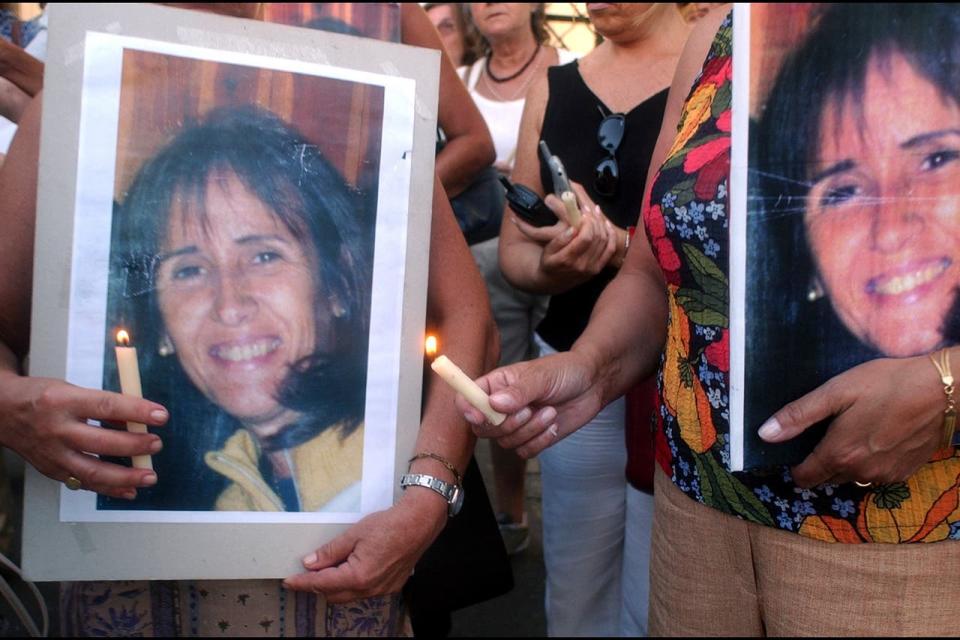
(564, 325)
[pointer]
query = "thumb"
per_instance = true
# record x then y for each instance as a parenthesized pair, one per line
(518, 386)
(799, 415)
(332, 553)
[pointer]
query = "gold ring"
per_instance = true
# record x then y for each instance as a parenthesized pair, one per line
(72, 483)
(863, 485)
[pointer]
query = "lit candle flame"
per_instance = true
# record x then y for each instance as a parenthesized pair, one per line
(430, 346)
(123, 338)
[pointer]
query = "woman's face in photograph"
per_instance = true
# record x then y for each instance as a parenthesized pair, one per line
(237, 295)
(883, 211)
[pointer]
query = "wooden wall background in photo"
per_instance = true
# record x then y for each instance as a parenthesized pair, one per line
(775, 29)
(161, 93)
(379, 20)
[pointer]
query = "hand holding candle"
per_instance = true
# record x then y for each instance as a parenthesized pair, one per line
(129, 371)
(462, 384)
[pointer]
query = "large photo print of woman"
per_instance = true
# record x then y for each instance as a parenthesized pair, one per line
(854, 192)
(240, 262)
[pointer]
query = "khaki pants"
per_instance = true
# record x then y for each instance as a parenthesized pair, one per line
(712, 574)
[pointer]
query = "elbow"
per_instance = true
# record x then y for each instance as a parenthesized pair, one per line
(508, 267)
(487, 151)
(481, 155)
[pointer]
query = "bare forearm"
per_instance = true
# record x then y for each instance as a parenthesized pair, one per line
(18, 184)
(13, 100)
(463, 158)
(626, 334)
(458, 312)
(20, 68)
(520, 263)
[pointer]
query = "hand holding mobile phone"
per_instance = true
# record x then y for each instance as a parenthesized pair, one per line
(527, 204)
(561, 184)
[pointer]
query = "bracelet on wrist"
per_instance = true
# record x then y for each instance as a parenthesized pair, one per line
(941, 360)
(452, 493)
(457, 478)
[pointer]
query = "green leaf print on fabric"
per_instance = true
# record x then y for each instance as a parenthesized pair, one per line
(703, 308)
(721, 101)
(891, 496)
(728, 493)
(677, 159)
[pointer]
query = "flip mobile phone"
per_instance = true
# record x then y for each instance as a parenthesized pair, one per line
(560, 182)
(528, 205)
(561, 185)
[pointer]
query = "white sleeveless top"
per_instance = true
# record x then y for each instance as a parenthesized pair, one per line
(503, 118)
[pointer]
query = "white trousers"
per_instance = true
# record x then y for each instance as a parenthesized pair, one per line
(596, 532)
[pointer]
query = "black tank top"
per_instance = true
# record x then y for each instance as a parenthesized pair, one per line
(570, 124)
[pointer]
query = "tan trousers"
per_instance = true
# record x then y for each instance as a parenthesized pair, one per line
(712, 574)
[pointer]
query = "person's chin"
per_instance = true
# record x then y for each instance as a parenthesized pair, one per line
(251, 410)
(899, 341)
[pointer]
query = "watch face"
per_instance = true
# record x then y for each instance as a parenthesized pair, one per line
(456, 502)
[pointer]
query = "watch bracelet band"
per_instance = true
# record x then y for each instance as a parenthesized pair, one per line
(452, 493)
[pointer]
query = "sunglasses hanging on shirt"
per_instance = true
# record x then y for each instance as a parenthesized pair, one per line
(609, 135)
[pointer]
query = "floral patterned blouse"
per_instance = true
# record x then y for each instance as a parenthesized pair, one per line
(686, 221)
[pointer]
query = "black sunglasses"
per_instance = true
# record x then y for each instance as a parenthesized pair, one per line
(609, 135)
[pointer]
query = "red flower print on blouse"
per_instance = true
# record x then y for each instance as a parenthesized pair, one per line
(718, 353)
(662, 246)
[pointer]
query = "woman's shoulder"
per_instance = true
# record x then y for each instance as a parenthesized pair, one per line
(470, 73)
(566, 56)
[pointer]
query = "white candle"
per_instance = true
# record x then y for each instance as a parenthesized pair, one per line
(573, 211)
(129, 370)
(462, 384)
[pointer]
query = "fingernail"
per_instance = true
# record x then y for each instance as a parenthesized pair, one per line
(148, 480)
(156, 445)
(553, 430)
(472, 420)
(501, 398)
(513, 219)
(129, 495)
(770, 430)
(523, 415)
(596, 208)
(568, 233)
(549, 415)
(310, 559)
(158, 415)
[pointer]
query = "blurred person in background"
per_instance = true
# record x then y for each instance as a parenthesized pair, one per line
(601, 116)
(458, 40)
(513, 39)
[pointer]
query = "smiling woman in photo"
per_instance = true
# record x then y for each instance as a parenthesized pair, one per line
(246, 274)
(859, 184)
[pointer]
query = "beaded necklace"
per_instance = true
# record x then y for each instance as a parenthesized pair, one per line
(515, 75)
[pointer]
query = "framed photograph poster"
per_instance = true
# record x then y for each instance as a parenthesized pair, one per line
(249, 204)
(846, 173)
